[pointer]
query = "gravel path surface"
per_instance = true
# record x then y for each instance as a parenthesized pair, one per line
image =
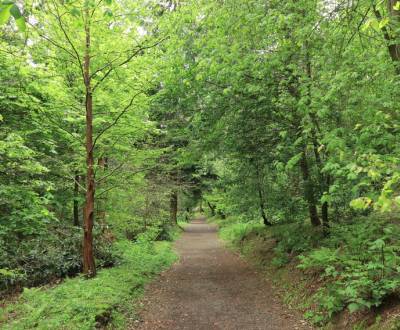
(212, 288)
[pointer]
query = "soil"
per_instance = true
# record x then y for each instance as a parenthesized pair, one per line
(212, 288)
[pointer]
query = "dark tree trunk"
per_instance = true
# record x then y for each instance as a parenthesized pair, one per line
(309, 191)
(262, 210)
(390, 31)
(315, 129)
(76, 200)
(212, 208)
(325, 206)
(187, 214)
(174, 207)
(89, 267)
(201, 206)
(261, 197)
(324, 211)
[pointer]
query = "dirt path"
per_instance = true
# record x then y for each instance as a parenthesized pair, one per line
(211, 288)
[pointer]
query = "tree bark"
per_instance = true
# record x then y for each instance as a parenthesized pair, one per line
(389, 33)
(309, 191)
(174, 207)
(89, 267)
(76, 200)
(212, 208)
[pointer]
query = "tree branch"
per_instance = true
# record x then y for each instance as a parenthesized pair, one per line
(127, 60)
(116, 119)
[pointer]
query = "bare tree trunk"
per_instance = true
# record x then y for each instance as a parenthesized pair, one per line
(261, 198)
(89, 267)
(174, 207)
(309, 191)
(76, 200)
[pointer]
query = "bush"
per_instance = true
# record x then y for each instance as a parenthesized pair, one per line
(360, 264)
(293, 239)
(237, 232)
(43, 258)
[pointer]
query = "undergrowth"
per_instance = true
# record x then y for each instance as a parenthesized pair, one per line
(79, 303)
(355, 267)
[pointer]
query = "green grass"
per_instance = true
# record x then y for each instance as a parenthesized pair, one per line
(79, 303)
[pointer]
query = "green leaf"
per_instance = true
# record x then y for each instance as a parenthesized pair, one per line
(4, 14)
(14, 10)
(75, 12)
(8, 9)
(293, 161)
(361, 203)
(21, 24)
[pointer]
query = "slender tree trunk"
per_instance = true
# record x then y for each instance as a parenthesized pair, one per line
(212, 208)
(174, 207)
(324, 207)
(76, 200)
(262, 209)
(101, 202)
(89, 267)
(201, 206)
(261, 198)
(187, 214)
(309, 191)
(315, 129)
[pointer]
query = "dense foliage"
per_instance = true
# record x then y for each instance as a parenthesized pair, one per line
(116, 115)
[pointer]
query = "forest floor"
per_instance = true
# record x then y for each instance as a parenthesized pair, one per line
(212, 288)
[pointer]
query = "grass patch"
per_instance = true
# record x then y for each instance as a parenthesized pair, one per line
(84, 304)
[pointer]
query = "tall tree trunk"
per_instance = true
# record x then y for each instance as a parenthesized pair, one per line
(390, 31)
(89, 267)
(174, 207)
(315, 130)
(76, 200)
(394, 45)
(309, 191)
(261, 197)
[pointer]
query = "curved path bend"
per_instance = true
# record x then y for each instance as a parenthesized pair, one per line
(212, 288)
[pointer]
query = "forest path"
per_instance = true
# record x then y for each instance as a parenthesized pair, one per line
(212, 288)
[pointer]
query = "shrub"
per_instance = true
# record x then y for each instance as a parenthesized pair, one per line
(359, 263)
(42, 258)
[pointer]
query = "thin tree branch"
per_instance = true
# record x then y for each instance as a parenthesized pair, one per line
(115, 121)
(130, 57)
